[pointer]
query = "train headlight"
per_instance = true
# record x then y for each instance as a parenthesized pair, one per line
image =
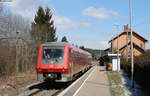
(49, 75)
(52, 75)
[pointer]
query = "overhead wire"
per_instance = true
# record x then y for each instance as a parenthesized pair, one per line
(145, 21)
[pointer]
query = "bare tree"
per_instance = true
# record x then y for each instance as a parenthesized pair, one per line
(16, 49)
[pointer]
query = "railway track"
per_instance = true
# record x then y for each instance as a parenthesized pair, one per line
(35, 92)
(47, 88)
(44, 89)
(46, 92)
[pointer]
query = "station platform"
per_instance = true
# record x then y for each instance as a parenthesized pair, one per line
(94, 83)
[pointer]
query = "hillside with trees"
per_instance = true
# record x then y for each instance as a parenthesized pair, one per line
(95, 52)
(64, 39)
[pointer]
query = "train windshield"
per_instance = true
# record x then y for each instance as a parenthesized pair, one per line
(52, 55)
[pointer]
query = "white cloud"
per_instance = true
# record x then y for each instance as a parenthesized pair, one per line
(98, 45)
(91, 42)
(86, 23)
(25, 8)
(21, 7)
(64, 23)
(28, 8)
(100, 13)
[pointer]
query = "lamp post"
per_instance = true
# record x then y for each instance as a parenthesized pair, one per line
(17, 69)
(131, 37)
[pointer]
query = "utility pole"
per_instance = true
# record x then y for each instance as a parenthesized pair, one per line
(131, 37)
(127, 52)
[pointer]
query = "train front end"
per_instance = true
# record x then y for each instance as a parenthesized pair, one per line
(52, 63)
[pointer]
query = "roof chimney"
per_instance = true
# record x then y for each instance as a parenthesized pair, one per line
(126, 28)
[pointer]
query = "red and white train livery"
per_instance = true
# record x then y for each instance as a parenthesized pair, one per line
(61, 62)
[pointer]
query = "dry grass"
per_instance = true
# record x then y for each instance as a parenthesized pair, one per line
(116, 82)
(12, 85)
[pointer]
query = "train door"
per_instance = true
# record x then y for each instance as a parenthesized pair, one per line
(71, 61)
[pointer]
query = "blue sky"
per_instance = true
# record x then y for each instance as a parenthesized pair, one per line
(89, 22)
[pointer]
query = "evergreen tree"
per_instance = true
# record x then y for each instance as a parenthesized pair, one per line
(82, 47)
(39, 17)
(64, 39)
(43, 29)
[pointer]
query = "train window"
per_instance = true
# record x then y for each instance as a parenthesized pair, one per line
(52, 56)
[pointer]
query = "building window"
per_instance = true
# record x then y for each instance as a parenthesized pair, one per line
(141, 45)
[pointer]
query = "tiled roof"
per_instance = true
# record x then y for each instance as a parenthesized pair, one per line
(134, 33)
(135, 45)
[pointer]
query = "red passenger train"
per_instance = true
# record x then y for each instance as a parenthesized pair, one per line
(61, 62)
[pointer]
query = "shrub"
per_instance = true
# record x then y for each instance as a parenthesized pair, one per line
(141, 69)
